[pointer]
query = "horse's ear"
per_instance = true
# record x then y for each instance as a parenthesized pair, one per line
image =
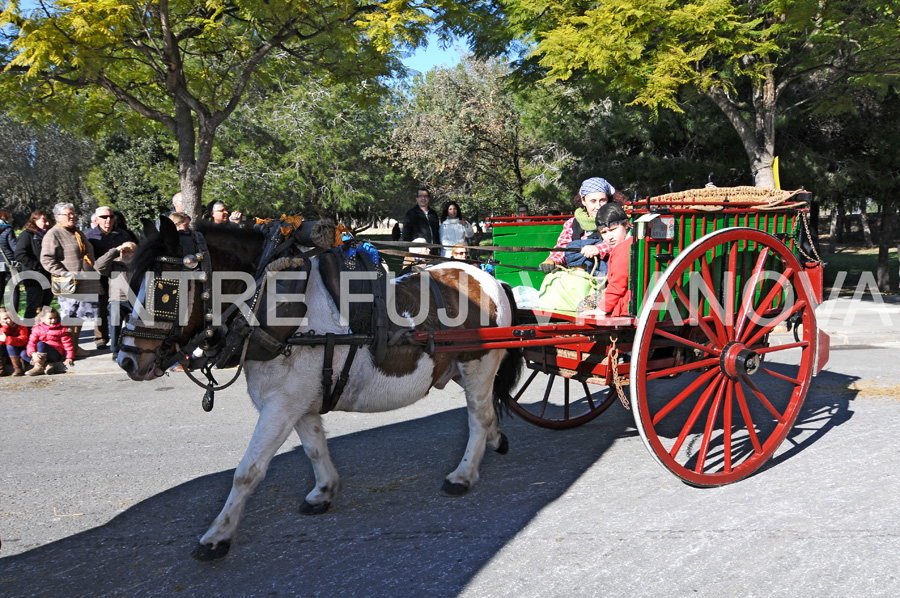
(169, 235)
(149, 227)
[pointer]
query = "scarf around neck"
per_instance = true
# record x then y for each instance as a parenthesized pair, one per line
(587, 223)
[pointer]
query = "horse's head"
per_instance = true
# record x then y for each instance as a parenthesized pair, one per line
(172, 284)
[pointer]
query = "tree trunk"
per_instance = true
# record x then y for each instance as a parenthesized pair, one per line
(832, 231)
(758, 140)
(864, 223)
(840, 221)
(885, 241)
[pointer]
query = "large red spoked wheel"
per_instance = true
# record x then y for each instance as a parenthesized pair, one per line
(562, 409)
(720, 412)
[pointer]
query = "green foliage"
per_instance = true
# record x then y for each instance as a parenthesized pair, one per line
(459, 132)
(128, 177)
(40, 166)
(106, 64)
(300, 151)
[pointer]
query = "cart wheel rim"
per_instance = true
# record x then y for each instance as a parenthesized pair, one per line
(735, 408)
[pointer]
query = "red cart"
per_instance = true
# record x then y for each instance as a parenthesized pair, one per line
(721, 343)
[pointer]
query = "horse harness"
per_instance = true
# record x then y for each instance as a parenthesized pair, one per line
(236, 340)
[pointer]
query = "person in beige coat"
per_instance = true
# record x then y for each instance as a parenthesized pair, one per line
(65, 249)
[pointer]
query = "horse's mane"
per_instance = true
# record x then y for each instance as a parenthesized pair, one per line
(240, 245)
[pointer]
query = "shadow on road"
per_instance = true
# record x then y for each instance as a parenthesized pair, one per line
(390, 532)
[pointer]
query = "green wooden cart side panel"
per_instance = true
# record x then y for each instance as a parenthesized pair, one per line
(523, 236)
(647, 267)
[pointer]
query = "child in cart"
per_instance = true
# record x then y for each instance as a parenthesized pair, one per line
(614, 228)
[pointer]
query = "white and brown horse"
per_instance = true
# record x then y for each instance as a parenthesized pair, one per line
(287, 390)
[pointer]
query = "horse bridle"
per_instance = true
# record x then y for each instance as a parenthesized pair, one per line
(195, 256)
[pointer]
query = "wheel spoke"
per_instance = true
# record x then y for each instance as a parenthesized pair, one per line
(701, 380)
(756, 313)
(546, 395)
(683, 341)
(525, 386)
(765, 329)
(566, 399)
(588, 395)
(762, 398)
(712, 336)
(710, 426)
(726, 427)
(698, 408)
(730, 283)
(750, 289)
(764, 350)
(748, 421)
(687, 367)
(714, 309)
(793, 381)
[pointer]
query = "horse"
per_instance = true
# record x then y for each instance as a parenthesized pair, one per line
(288, 388)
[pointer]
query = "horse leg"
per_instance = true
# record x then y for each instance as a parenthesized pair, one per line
(478, 378)
(328, 482)
(272, 429)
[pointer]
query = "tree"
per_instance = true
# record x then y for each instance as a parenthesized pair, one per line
(458, 130)
(185, 65)
(40, 166)
(128, 175)
(299, 149)
(745, 57)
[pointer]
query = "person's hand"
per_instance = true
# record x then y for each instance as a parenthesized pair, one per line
(590, 251)
(69, 362)
(548, 266)
(2, 337)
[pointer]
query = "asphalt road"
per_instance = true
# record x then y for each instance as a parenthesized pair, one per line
(106, 485)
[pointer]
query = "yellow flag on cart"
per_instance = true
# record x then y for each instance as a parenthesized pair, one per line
(775, 170)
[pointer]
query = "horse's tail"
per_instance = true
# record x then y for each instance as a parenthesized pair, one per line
(511, 366)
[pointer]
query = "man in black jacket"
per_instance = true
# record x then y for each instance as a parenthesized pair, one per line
(422, 221)
(104, 237)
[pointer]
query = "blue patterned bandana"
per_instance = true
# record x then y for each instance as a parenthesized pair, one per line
(596, 185)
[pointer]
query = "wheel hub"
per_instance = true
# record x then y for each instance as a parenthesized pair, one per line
(737, 360)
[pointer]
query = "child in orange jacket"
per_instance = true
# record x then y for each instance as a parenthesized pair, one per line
(13, 339)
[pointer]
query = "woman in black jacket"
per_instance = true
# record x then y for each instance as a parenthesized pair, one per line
(28, 253)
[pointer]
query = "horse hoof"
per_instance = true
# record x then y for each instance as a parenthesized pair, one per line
(504, 444)
(208, 552)
(308, 508)
(453, 489)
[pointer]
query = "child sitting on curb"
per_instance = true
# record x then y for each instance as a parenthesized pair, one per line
(13, 339)
(50, 348)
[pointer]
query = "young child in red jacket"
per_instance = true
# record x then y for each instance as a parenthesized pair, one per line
(614, 228)
(50, 347)
(13, 339)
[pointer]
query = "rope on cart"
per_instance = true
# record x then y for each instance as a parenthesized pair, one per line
(613, 356)
(804, 218)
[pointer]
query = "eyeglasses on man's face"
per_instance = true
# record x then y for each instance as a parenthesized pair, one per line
(460, 253)
(67, 215)
(105, 216)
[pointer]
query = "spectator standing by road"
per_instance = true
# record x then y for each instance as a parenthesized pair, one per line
(64, 251)
(8, 248)
(218, 212)
(28, 254)
(454, 228)
(421, 222)
(104, 237)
